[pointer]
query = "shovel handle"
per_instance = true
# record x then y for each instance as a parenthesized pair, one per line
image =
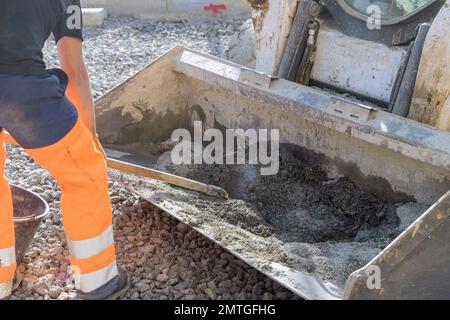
(178, 181)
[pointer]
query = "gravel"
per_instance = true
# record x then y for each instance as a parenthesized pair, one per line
(124, 45)
(167, 259)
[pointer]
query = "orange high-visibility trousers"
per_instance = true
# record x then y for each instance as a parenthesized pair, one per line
(80, 169)
(7, 249)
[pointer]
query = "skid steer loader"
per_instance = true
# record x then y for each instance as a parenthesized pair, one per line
(360, 205)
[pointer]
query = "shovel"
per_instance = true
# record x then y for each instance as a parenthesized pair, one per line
(189, 184)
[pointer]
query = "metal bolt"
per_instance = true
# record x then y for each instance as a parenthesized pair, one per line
(314, 9)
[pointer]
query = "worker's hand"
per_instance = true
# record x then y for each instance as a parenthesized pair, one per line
(99, 147)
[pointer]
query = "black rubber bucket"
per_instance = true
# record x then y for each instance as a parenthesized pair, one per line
(29, 211)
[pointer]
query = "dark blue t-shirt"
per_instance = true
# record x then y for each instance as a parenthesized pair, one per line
(25, 25)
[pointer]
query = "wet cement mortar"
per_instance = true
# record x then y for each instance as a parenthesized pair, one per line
(167, 259)
(303, 216)
(300, 218)
(299, 204)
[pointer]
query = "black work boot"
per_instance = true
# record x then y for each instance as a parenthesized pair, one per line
(113, 290)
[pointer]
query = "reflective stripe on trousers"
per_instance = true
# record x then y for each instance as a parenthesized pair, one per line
(7, 269)
(95, 250)
(5, 289)
(89, 282)
(7, 257)
(84, 249)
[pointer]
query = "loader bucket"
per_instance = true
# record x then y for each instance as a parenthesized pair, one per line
(357, 210)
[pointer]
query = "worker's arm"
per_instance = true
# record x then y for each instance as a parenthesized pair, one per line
(79, 89)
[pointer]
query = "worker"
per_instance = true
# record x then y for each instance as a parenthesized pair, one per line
(50, 114)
